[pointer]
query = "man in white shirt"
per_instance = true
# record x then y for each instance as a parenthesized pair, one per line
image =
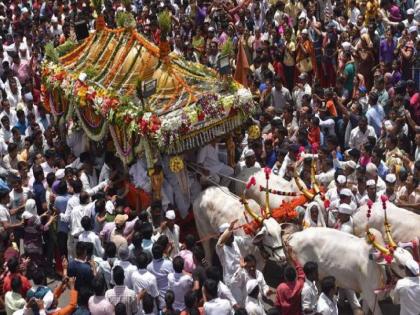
(139, 177)
(372, 173)
(48, 165)
(410, 21)
(310, 291)
(223, 291)
(171, 230)
(214, 305)
(89, 236)
(246, 272)
(327, 302)
(228, 250)
(74, 217)
(253, 304)
(249, 162)
(359, 135)
(208, 157)
(5, 219)
(345, 224)
(180, 283)
(129, 268)
(407, 289)
(344, 219)
(301, 89)
(142, 279)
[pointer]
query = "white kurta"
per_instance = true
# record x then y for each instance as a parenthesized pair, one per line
(407, 293)
(325, 306)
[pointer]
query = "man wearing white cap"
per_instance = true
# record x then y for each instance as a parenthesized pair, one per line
(227, 249)
(332, 194)
(344, 219)
(372, 194)
(410, 21)
(345, 197)
(390, 180)
(249, 162)
(345, 224)
(171, 230)
(407, 289)
(56, 29)
(372, 173)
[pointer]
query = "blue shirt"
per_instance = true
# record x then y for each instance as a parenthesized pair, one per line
(82, 272)
(271, 159)
(61, 205)
(375, 116)
(39, 195)
(22, 127)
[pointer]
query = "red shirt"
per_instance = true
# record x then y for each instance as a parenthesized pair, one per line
(314, 136)
(288, 294)
(7, 283)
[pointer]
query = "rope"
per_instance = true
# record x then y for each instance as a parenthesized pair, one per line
(196, 170)
(222, 175)
(210, 236)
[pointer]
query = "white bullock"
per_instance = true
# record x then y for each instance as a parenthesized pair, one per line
(346, 257)
(275, 182)
(405, 225)
(215, 206)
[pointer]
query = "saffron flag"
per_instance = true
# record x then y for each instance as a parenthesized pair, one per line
(242, 66)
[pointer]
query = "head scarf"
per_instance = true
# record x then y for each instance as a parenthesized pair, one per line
(307, 219)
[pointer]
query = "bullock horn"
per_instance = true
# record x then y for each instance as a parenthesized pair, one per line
(387, 226)
(300, 185)
(370, 238)
(250, 211)
(314, 182)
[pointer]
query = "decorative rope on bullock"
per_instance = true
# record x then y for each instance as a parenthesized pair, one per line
(279, 192)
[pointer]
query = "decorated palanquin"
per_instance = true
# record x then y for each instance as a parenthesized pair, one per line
(99, 79)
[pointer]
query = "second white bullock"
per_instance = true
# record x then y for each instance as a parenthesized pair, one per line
(348, 258)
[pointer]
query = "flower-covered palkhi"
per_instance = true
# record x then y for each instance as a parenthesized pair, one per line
(191, 105)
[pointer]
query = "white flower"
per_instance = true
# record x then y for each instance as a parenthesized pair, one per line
(82, 76)
(244, 96)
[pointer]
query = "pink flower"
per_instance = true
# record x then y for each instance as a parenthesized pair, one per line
(384, 198)
(388, 259)
(369, 203)
(251, 182)
(327, 203)
(267, 172)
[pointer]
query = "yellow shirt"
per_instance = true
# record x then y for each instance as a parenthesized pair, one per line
(289, 59)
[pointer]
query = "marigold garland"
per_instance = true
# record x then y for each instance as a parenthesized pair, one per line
(176, 164)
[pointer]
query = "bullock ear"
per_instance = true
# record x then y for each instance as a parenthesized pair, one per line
(259, 237)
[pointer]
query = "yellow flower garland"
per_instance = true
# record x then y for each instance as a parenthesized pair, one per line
(254, 132)
(176, 164)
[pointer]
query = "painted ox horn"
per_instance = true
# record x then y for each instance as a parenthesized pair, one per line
(250, 211)
(301, 186)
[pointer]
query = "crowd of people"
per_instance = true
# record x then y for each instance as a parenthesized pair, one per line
(337, 79)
